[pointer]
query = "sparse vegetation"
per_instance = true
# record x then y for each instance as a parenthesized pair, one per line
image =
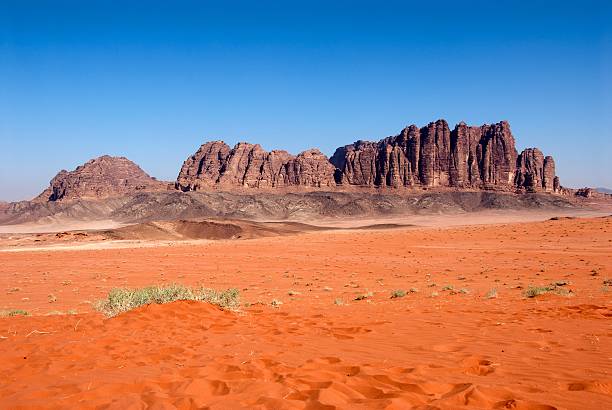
(276, 303)
(533, 291)
(14, 312)
(413, 290)
(122, 300)
(338, 302)
(448, 287)
(293, 293)
(364, 296)
(555, 287)
(491, 294)
(398, 293)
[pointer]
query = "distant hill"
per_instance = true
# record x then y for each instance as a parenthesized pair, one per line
(604, 190)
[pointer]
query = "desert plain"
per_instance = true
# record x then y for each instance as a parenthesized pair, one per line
(506, 314)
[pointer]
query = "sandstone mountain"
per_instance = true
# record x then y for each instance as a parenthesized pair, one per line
(249, 165)
(482, 157)
(467, 157)
(101, 177)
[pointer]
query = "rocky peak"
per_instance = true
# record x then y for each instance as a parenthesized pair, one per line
(100, 177)
(250, 166)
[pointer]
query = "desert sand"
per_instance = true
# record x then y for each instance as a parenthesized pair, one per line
(464, 336)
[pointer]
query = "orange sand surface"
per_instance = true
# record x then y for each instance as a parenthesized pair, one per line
(436, 347)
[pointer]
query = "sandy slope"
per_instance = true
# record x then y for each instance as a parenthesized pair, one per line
(425, 351)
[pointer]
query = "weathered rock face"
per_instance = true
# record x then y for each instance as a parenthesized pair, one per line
(432, 156)
(536, 172)
(497, 155)
(530, 169)
(550, 182)
(249, 165)
(467, 157)
(310, 168)
(101, 177)
(203, 167)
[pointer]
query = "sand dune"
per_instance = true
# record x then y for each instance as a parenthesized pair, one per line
(436, 347)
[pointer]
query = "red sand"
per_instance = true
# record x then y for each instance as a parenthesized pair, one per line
(422, 351)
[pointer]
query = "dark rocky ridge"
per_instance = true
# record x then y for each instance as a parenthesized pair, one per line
(467, 157)
(262, 205)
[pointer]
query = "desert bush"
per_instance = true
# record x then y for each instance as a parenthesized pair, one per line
(533, 291)
(491, 294)
(14, 312)
(364, 296)
(398, 293)
(121, 300)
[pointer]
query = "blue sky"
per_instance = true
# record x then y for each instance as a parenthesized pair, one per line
(154, 80)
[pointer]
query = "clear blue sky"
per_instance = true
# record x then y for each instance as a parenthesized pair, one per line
(154, 80)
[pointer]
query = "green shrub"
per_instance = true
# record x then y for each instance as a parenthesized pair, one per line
(14, 312)
(554, 287)
(398, 293)
(122, 300)
(533, 291)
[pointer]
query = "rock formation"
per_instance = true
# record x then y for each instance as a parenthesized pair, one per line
(249, 165)
(466, 157)
(434, 156)
(536, 172)
(101, 177)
